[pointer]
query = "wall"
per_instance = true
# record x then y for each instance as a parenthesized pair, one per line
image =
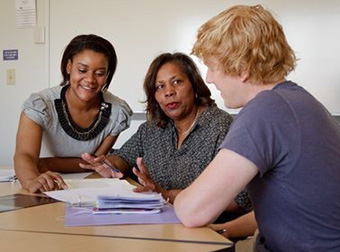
(31, 72)
(140, 30)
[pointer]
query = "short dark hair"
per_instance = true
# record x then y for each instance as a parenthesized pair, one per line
(188, 66)
(89, 42)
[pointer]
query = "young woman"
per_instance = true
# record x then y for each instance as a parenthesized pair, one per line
(78, 116)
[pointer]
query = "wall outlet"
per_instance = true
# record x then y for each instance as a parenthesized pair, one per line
(10, 76)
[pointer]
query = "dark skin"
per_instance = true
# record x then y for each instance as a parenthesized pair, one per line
(87, 74)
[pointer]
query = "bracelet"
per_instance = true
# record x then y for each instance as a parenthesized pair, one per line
(169, 196)
(221, 231)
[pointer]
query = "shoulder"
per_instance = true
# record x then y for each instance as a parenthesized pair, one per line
(214, 122)
(265, 100)
(217, 116)
(271, 105)
(279, 96)
(118, 104)
(150, 130)
(46, 94)
(147, 132)
(149, 127)
(42, 99)
(40, 105)
(113, 99)
(270, 114)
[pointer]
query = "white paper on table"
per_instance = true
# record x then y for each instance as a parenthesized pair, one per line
(78, 175)
(7, 175)
(86, 191)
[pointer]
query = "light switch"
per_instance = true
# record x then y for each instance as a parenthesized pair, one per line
(39, 35)
(10, 76)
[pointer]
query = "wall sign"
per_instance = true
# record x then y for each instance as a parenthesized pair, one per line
(10, 54)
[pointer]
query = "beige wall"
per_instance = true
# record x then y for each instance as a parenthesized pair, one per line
(140, 29)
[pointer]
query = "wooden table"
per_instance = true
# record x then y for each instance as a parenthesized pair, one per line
(42, 228)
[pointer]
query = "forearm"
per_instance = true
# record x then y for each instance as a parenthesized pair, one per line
(170, 195)
(233, 207)
(208, 195)
(25, 168)
(27, 150)
(63, 165)
(243, 226)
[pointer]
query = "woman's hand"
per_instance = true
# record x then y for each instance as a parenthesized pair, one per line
(97, 164)
(146, 182)
(46, 181)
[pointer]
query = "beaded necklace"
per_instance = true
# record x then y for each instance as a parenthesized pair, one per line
(75, 131)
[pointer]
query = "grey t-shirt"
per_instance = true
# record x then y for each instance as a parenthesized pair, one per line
(295, 144)
(40, 107)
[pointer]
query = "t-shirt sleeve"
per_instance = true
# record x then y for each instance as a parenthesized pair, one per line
(243, 142)
(36, 108)
(264, 135)
(123, 119)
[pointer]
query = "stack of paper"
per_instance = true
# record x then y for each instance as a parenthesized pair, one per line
(84, 192)
(103, 196)
(143, 204)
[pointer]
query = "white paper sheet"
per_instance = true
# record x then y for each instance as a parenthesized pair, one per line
(80, 175)
(26, 13)
(7, 175)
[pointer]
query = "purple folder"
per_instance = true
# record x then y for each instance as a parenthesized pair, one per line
(75, 216)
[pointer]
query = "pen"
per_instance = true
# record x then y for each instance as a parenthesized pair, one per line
(114, 169)
(110, 165)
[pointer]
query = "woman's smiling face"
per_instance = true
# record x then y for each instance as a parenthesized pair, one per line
(88, 72)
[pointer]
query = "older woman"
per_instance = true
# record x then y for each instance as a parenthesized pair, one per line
(181, 136)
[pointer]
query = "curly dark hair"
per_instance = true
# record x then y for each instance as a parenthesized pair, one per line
(187, 66)
(89, 42)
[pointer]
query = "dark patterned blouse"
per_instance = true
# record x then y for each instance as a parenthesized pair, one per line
(174, 168)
